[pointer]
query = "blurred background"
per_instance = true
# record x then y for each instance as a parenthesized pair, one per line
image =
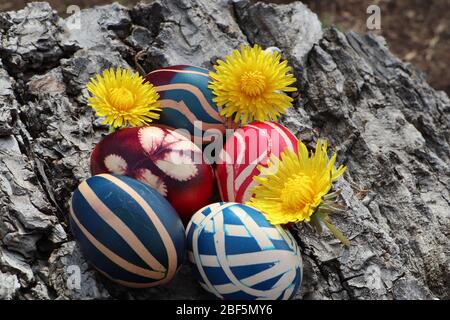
(416, 30)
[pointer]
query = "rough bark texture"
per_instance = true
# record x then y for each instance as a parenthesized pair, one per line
(388, 126)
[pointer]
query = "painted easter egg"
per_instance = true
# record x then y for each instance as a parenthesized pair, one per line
(237, 254)
(127, 230)
(161, 158)
(250, 146)
(187, 102)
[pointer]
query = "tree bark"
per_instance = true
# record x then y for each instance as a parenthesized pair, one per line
(379, 114)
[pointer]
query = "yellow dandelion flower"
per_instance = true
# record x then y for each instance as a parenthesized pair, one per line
(123, 98)
(251, 84)
(297, 186)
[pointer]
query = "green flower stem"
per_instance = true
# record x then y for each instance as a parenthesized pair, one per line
(322, 215)
(315, 222)
(337, 233)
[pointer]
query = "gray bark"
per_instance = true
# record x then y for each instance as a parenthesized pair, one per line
(385, 122)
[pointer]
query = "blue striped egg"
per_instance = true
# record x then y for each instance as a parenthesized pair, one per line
(127, 230)
(187, 102)
(237, 254)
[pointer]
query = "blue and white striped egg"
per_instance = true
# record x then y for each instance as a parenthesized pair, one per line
(237, 254)
(127, 230)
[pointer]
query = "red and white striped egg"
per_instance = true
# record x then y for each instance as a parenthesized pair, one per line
(162, 158)
(249, 146)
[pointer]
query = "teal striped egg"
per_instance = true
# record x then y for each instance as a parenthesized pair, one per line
(127, 230)
(187, 102)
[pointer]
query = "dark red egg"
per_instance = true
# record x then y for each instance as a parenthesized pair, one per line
(161, 158)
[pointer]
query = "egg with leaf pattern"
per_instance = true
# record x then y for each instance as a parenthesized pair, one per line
(162, 158)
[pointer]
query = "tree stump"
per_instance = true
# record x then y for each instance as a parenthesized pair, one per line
(379, 114)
